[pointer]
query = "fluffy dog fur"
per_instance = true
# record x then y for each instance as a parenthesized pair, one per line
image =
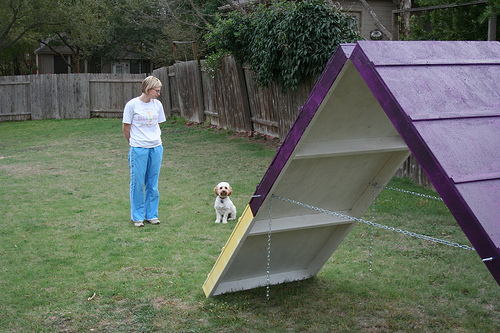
(224, 208)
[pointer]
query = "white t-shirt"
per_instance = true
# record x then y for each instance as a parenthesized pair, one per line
(144, 119)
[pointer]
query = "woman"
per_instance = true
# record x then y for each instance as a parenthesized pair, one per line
(141, 118)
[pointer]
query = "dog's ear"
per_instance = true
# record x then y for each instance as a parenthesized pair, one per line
(230, 190)
(216, 190)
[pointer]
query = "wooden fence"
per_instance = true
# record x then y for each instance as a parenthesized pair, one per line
(232, 100)
(66, 96)
(411, 169)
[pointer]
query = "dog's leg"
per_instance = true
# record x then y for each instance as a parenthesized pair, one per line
(218, 217)
(224, 218)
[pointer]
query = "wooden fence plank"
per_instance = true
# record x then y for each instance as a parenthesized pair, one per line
(231, 98)
(165, 98)
(293, 102)
(263, 106)
(273, 110)
(44, 96)
(14, 98)
(176, 100)
(97, 93)
(73, 96)
(208, 88)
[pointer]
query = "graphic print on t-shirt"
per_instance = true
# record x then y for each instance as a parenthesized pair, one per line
(147, 120)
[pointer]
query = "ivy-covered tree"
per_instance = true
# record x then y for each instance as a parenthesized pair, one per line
(284, 42)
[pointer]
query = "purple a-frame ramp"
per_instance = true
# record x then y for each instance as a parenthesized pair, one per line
(444, 100)
(373, 102)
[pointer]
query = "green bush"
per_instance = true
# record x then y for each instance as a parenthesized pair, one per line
(285, 42)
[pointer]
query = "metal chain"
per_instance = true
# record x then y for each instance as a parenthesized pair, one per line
(372, 234)
(268, 267)
(408, 192)
(407, 233)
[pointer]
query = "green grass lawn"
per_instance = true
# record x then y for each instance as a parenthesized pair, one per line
(71, 260)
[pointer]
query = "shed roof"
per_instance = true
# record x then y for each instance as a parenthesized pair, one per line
(374, 103)
(61, 49)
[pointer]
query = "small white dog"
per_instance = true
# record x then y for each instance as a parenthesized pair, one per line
(224, 207)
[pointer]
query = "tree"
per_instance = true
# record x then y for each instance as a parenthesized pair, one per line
(20, 17)
(457, 23)
(189, 20)
(145, 28)
(284, 42)
(84, 27)
(194, 13)
(405, 17)
(91, 29)
(20, 24)
(133, 27)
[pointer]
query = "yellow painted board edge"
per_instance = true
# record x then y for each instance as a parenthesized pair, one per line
(232, 243)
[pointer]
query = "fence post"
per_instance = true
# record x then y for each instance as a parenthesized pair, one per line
(199, 90)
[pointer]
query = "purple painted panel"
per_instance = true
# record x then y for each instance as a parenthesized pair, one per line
(426, 92)
(467, 148)
(443, 98)
(384, 53)
(486, 206)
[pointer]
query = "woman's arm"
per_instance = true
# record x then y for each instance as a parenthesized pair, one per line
(126, 131)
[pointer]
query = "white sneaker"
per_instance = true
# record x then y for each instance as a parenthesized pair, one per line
(138, 223)
(153, 221)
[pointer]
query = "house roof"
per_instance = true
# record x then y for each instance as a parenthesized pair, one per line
(374, 103)
(63, 49)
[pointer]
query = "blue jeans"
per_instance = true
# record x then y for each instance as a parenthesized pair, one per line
(145, 166)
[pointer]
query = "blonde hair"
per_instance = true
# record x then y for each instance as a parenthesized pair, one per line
(151, 82)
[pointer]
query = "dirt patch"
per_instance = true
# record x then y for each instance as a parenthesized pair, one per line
(161, 302)
(266, 140)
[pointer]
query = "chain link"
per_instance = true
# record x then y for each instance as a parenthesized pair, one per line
(377, 225)
(407, 192)
(268, 264)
